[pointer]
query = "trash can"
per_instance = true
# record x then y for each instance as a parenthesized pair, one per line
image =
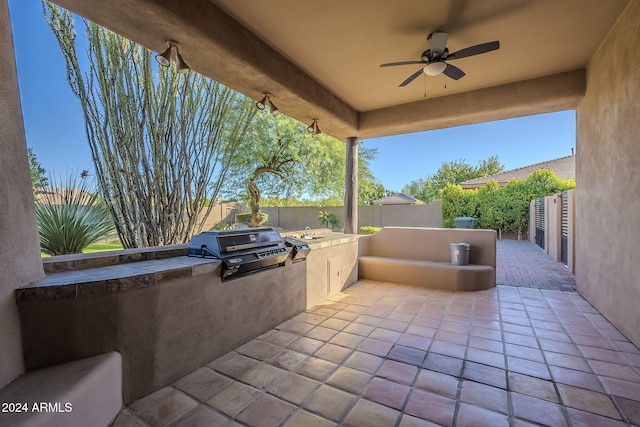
(465, 222)
(460, 253)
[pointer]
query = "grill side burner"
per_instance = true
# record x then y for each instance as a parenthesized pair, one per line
(241, 251)
(299, 249)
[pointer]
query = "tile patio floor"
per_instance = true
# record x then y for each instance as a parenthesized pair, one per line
(382, 354)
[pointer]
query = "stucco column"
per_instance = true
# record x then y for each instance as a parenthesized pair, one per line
(20, 261)
(351, 188)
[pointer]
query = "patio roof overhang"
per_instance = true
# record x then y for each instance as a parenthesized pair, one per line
(321, 60)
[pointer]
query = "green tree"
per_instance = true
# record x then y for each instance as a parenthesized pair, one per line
(39, 178)
(456, 202)
(428, 188)
(489, 213)
(288, 165)
(502, 209)
(161, 142)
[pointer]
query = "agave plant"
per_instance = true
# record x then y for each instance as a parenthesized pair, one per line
(70, 218)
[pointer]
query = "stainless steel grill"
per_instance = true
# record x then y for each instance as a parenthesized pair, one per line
(241, 251)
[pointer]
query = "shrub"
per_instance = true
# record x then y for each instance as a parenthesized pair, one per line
(329, 220)
(369, 230)
(70, 218)
(222, 226)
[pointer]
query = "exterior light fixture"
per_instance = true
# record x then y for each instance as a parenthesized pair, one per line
(181, 66)
(434, 68)
(266, 101)
(314, 128)
(164, 58)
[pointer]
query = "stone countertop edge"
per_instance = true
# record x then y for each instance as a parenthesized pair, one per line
(115, 278)
(116, 272)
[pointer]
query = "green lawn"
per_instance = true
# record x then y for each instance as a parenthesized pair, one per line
(101, 247)
(97, 247)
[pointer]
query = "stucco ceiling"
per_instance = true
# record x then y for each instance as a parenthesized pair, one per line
(321, 59)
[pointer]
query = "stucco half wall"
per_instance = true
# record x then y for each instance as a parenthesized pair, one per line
(607, 163)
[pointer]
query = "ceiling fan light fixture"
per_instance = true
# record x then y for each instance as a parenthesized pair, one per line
(434, 68)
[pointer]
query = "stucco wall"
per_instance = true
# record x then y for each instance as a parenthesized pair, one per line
(20, 249)
(297, 218)
(608, 173)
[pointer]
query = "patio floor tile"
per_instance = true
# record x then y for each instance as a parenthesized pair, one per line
(202, 383)
(204, 416)
(485, 396)
(350, 380)
(330, 402)
(263, 375)
(236, 366)
(163, 407)
(470, 415)
(397, 371)
(294, 388)
(370, 414)
(266, 411)
(431, 407)
(363, 361)
(316, 368)
(387, 392)
(587, 400)
(443, 384)
(333, 353)
(381, 354)
(306, 419)
(287, 359)
(537, 410)
(233, 399)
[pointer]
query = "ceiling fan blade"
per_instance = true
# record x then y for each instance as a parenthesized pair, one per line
(438, 42)
(453, 72)
(474, 50)
(393, 64)
(411, 78)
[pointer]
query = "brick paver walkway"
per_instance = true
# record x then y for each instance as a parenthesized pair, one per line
(526, 265)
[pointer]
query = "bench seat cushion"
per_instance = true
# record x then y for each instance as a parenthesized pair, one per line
(431, 274)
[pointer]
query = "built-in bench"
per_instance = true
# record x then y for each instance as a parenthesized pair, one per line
(86, 392)
(422, 257)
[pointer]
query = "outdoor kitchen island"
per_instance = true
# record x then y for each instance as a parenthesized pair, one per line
(165, 313)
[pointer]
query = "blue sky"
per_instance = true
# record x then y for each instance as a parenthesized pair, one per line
(54, 125)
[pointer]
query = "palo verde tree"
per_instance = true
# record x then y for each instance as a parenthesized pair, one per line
(161, 142)
(282, 162)
(279, 158)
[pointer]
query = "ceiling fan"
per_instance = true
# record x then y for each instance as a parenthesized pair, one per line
(435, 58)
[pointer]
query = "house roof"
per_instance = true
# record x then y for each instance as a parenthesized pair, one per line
(396, 199)
(563, 167)
(321, 60)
